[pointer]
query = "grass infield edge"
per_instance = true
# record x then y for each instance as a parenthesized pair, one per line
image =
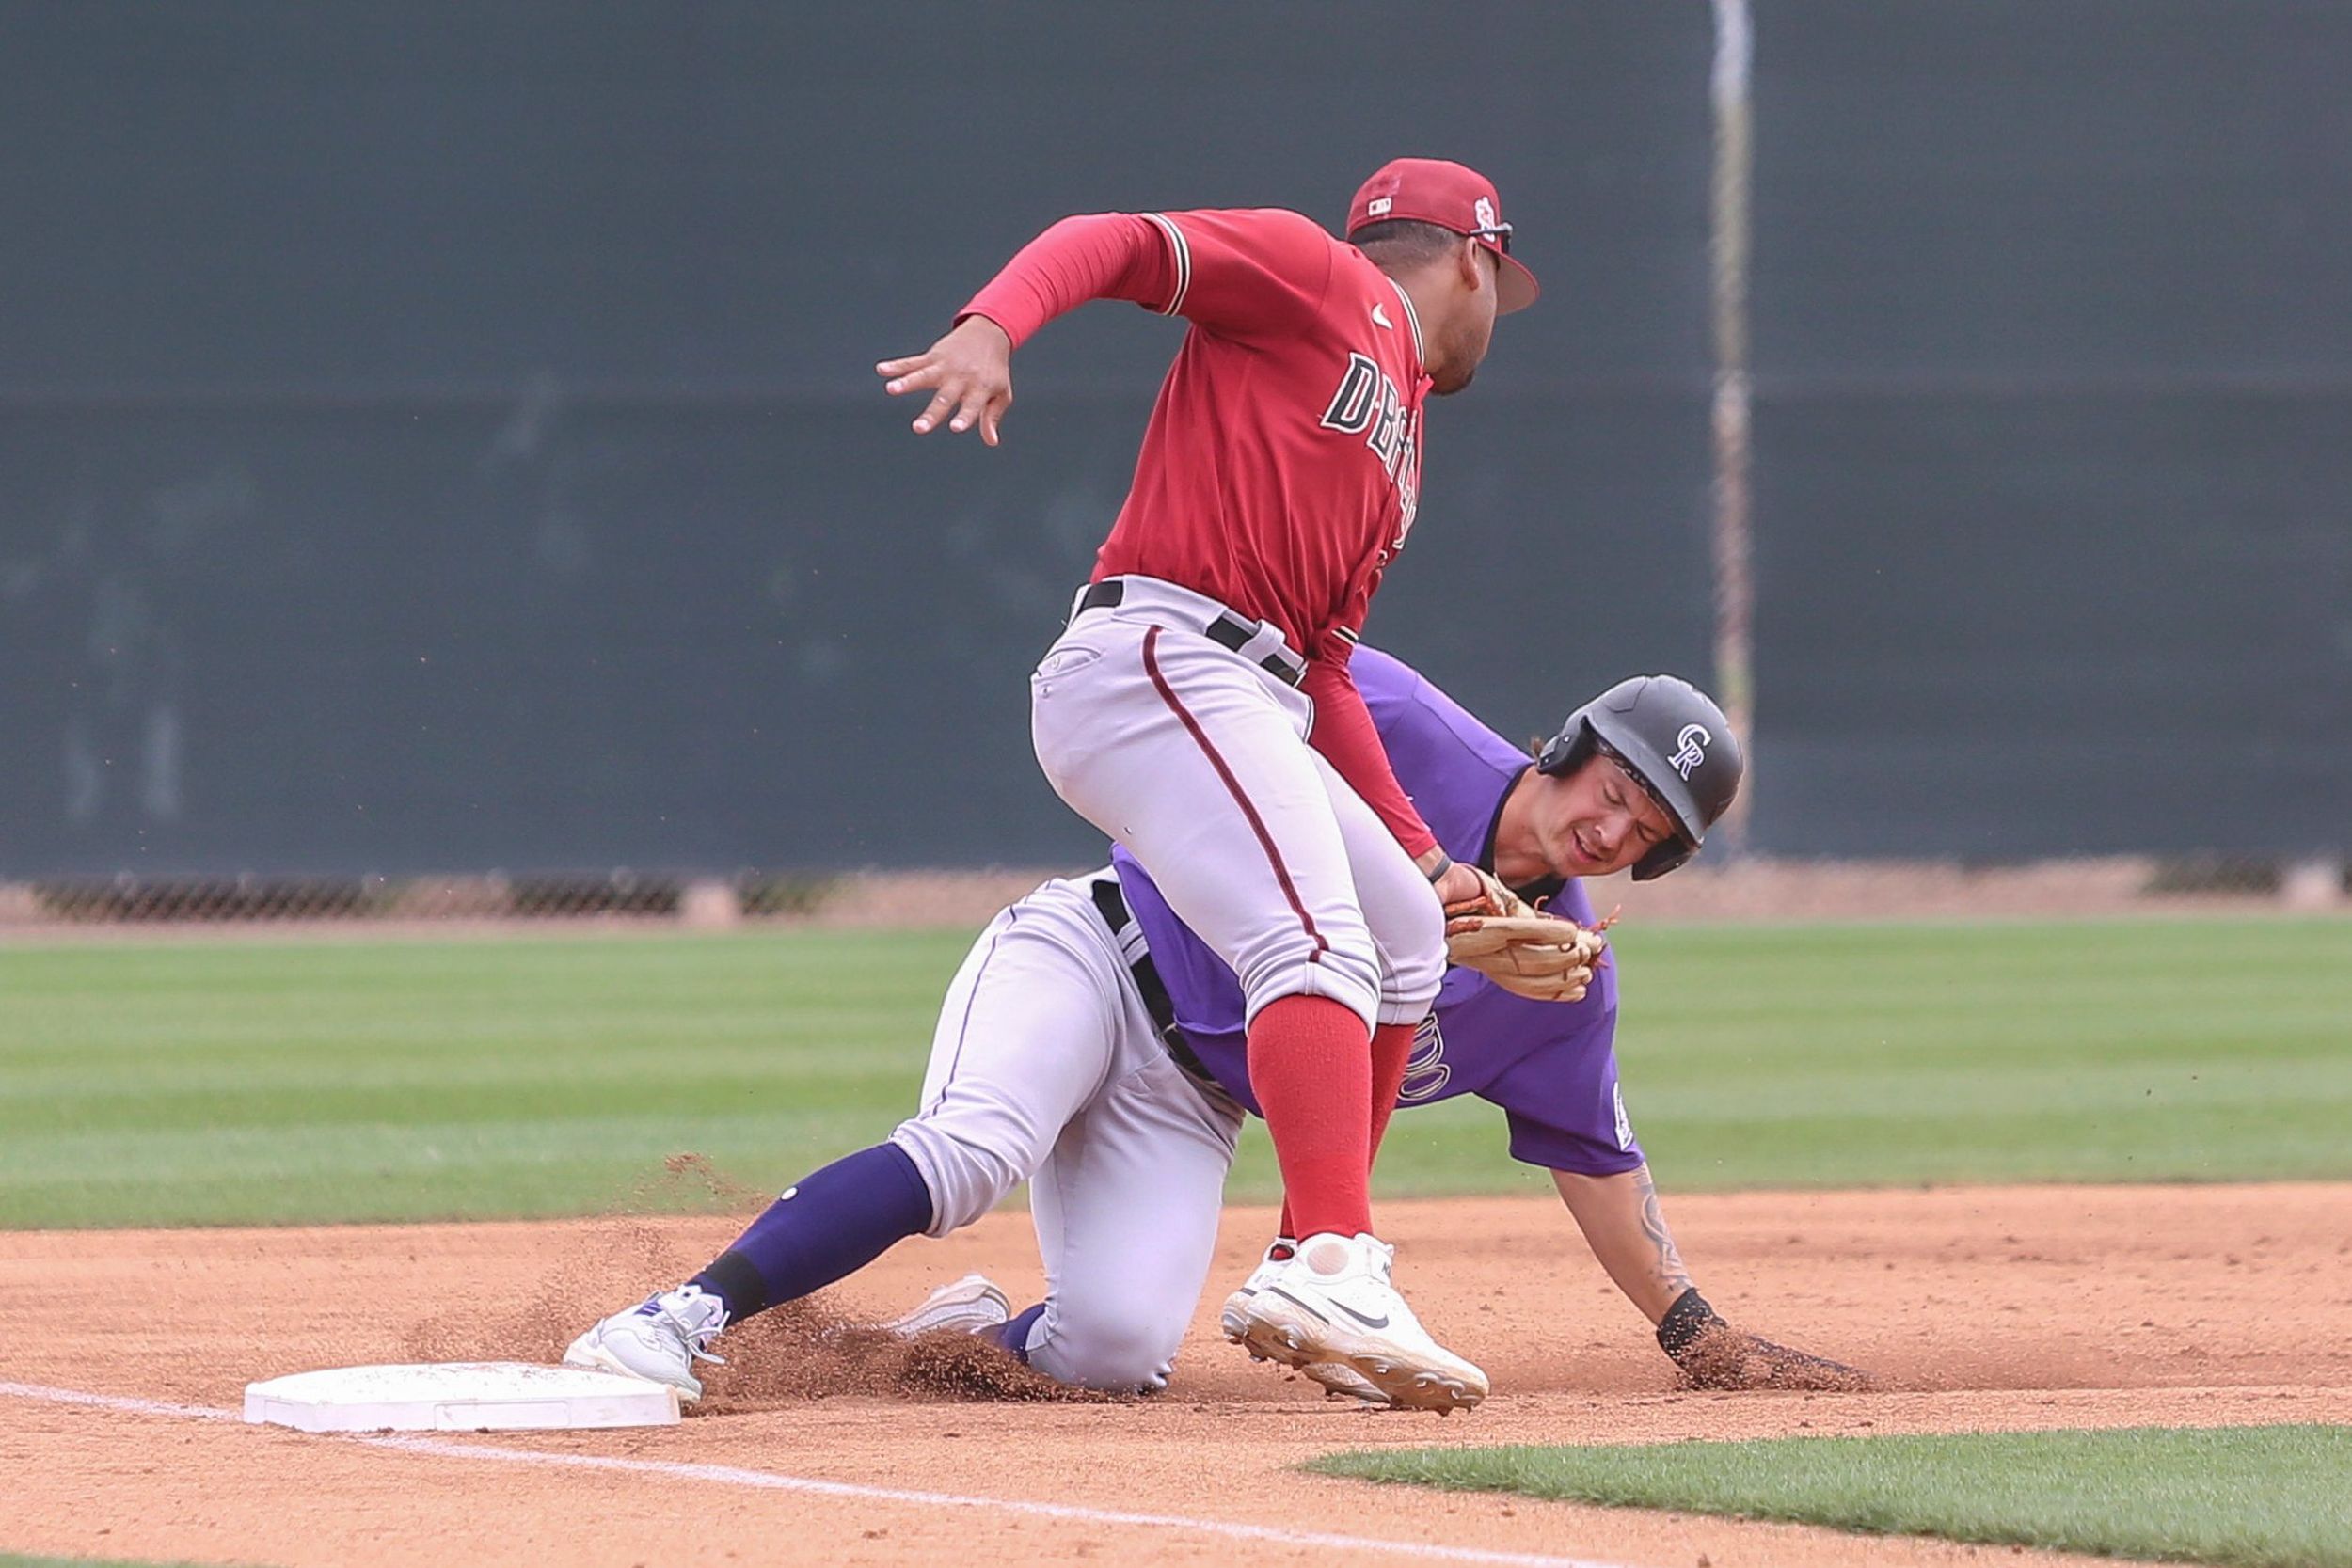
(2212, 1467)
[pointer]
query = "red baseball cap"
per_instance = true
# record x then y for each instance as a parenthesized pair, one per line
(1432, 190)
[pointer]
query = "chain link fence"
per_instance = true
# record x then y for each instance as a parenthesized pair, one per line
(2308, 881)
(618, 894)
(1745, 888)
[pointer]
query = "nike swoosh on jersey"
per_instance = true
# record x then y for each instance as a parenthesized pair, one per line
(1382, 317)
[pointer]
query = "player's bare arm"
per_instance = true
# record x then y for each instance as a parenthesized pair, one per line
(968, 373)
(1622, 1224)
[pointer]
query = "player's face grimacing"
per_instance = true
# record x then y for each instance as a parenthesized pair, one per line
(1469, 332)
(1597, 820)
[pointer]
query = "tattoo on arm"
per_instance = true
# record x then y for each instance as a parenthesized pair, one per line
(1669, 1265)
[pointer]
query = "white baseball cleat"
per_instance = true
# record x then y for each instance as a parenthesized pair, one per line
(1234, 1319)
(1333, 1304)
(1339, 1379)
(1342, 1382)
(972, 1305)
(659, 1341)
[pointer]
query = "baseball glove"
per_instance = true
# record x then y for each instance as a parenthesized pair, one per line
(1521, 949)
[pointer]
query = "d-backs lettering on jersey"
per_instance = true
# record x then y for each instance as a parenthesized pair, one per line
(1281, 466)
(1369, 405)
(1551, 1065)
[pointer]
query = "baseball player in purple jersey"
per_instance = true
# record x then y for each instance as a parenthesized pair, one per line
(1095, 1047)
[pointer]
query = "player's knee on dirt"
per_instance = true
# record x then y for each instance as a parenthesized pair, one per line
(1118, 1357)
(967, 1179)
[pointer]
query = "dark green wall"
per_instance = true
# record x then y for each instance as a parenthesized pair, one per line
(2053, 315)
(443, 437)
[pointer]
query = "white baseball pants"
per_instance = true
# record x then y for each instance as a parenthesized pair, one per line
(1196, 758)
(1047, 1068)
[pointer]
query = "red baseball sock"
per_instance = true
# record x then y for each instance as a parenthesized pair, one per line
(1312, 1066)
(1392, 1048)
(1392, 1051)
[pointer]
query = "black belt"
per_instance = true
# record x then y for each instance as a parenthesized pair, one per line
(1112, 906)
(1228, 628)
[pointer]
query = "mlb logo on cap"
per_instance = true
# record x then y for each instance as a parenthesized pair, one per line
(1432, 190)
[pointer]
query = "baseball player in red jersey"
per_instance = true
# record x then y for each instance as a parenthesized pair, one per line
(1198, 706)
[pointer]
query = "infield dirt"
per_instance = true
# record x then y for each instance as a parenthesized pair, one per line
(2011, 1307)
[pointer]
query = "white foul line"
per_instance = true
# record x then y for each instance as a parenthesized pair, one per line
(728, 1475)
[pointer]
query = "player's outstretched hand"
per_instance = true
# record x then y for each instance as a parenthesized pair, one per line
(969, 372)
(1714, 1355)
(1728, 1358)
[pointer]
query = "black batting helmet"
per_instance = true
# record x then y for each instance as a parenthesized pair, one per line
(1673, 738)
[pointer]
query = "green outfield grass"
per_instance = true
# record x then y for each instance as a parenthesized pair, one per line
(2245, 1496)
(253, 1081)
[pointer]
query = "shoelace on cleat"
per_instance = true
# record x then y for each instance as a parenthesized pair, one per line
(696, 1339)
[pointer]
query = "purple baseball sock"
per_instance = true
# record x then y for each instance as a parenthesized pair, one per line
(1014, 1333)
(832, 1224)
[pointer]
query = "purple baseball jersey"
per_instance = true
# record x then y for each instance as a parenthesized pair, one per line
(1551, 1065)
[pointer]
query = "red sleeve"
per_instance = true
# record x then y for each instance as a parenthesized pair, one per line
(1344, 734)
(1099, 256)
(1250, 274)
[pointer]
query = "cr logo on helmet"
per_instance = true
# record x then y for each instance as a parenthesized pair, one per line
(1692, 741)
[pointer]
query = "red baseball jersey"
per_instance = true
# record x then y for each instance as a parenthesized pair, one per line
(1282, 467)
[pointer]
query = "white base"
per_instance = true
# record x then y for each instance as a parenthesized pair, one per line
(459, 1395)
